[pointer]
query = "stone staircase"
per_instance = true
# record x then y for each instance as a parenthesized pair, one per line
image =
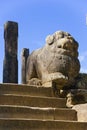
(24, 107)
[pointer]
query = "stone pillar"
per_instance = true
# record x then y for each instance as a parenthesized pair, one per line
(25, 54)
(10, 65)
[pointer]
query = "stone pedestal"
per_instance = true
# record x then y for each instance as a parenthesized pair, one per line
(10, 65)
(25, 54)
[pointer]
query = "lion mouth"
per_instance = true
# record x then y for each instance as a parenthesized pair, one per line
(67, 52)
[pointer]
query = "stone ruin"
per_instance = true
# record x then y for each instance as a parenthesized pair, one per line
(55, 65)
(10, 65)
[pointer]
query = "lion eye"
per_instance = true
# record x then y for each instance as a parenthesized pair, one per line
(59, 46)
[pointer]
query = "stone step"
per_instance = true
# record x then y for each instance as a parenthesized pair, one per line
(8, 88)
(32, 101)
(28, 124)
(11, 111)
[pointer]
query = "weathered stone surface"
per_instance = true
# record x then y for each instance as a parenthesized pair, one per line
(81, 81)
(30, 124)
(56, 62)
(76, 96)
(26, 112)
(81, 112)
(19, 111)
(10, 65)
(25, 54)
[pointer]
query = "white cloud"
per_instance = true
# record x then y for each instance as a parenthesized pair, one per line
(83, 56)
(83, 70)
(83, 59)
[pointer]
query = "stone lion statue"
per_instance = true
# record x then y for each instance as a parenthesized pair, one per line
(56, 63)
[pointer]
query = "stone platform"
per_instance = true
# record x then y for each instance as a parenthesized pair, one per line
(24, 107)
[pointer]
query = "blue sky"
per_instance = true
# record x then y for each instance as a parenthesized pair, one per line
(39, 18)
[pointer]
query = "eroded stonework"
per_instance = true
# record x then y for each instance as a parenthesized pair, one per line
(56, 63)
(77, 95)
(10, 64)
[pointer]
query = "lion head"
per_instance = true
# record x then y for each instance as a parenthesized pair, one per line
(62, 42)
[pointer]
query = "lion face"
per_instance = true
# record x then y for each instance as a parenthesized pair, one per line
(62, 43)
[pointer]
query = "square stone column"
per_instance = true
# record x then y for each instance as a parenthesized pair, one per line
(10, 64)
(25, 54)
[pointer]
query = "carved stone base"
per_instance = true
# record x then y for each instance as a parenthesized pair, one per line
(77, 96)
